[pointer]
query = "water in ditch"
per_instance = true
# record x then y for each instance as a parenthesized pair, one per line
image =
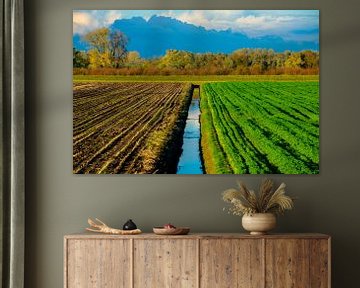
(190, 159)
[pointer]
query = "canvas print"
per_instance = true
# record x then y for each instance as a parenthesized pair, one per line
(196, 91)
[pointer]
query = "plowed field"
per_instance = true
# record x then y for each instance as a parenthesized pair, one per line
(128, 127)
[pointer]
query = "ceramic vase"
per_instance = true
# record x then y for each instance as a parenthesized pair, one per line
(259, 223)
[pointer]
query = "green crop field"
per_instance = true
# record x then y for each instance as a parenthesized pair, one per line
(260, 127)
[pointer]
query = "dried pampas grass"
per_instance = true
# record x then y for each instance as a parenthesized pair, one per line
(267, 200)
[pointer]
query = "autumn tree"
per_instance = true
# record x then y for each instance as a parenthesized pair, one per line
(108, 49)
(98, 39)
(241, 57)
(117, 44)
(99, 60)
(294, 61)
(99, 54)
(133, 58)
(177, 59)
(310, 58)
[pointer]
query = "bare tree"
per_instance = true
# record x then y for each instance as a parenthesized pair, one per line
(118, 42)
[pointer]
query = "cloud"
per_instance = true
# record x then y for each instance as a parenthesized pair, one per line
(210, 19)
(87, 20)
(111, 15)
(83, 22)
(256, 23)
(252, 23)
(196, 17)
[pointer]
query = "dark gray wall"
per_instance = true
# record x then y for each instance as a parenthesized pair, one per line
(59, 202)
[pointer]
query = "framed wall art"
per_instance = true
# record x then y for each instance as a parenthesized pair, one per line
(196, 91)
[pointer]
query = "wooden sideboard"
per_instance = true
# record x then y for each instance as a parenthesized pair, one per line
(197, 260)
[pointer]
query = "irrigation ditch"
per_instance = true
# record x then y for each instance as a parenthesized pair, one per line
(190, 161)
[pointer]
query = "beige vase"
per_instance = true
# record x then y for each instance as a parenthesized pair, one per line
(259, 223)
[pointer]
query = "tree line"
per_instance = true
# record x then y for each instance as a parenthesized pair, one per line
(108, 55)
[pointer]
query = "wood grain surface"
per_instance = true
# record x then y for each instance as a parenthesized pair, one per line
(319, 263)
(89, 235)
(98, 263)
(165, 263)
(197, 260)
(287, 263)
(231, 263)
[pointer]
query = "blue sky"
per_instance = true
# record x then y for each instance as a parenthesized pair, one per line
(297, 25)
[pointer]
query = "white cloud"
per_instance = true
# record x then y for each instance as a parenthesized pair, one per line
(87, 20)
(252, 23)
(260, 25)
(210, 19)
(196, 17)
(83, 22)
(111, 15)
(255, 23)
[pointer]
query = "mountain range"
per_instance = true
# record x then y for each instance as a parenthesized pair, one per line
(153, 37)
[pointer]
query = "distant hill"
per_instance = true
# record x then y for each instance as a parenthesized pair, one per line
(153, 37)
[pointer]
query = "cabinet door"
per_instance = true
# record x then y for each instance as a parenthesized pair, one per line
(165, 263)
(231, 263)
(98, 263)
(287, 263)
(320, 263)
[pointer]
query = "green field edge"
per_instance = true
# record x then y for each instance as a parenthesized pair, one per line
(196, 79)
